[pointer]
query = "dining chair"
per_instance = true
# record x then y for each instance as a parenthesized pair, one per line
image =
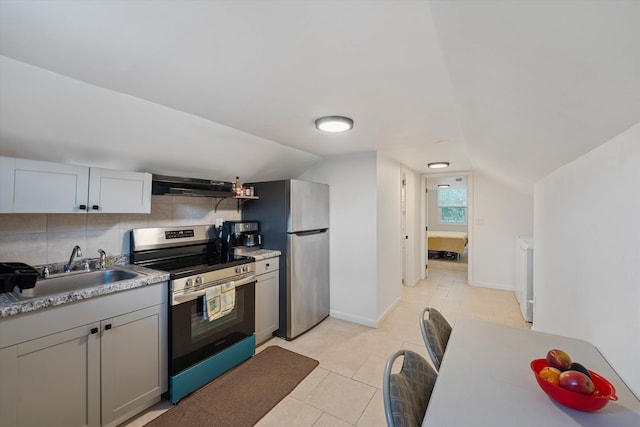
(406, 394)
(435, 333)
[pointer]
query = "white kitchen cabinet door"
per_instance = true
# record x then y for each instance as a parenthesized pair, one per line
(133, 365)
(31, 186)
(112, 191)
(267, 299)
(52, 381)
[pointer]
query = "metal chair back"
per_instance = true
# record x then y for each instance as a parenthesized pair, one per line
(435, 333)
(406, 394)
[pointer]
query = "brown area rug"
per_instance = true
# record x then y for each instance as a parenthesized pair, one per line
(243, 395)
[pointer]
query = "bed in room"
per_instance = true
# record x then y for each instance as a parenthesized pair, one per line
(447, 241)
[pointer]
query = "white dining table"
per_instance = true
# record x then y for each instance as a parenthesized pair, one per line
(485, 380)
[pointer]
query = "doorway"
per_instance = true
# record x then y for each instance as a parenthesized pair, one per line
(442, 215)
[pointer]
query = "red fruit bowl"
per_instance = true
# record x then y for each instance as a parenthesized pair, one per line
(604, 391)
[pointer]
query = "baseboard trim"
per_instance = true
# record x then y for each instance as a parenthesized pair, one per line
(494, 286)
(353, 318)
(363, 320)
(388, 310)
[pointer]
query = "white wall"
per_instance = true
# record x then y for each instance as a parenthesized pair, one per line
(500, 214)
(353, 226)
(587, 254)
(389, 246)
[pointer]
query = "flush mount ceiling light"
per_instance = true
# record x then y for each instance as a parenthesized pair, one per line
(334, 124)
(443, 185)
(438, 165)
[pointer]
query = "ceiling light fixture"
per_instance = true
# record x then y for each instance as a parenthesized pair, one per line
(438, 165)
(334, 124)
(443, 185)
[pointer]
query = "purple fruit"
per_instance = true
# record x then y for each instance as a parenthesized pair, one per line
(578, 367)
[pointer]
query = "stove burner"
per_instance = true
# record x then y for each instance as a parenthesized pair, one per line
(181, 268)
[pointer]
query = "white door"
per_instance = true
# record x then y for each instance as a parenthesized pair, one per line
(426, 227)
(403, 226)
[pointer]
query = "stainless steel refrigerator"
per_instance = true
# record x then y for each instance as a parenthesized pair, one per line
(294, 219)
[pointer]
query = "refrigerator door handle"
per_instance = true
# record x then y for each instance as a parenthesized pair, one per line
(309, 232)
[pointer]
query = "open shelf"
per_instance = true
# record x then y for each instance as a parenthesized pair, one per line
(241, 200)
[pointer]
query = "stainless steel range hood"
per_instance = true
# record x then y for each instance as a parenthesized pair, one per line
(195, 187)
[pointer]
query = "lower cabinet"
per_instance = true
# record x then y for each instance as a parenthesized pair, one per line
(267, 299)
(131, 368)
(52, 381)
(97, 374)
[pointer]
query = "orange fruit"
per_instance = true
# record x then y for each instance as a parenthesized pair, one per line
(550, 375)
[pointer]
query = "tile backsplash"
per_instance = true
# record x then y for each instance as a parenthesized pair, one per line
(38, 239)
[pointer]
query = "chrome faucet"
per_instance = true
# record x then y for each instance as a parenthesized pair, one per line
(75, 252)
(103, 259)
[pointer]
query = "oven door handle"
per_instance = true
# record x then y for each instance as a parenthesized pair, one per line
(189, 296)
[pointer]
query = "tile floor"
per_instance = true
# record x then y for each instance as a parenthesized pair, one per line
(346, 388)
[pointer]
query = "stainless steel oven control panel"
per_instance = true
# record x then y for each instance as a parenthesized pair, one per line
(212, 278)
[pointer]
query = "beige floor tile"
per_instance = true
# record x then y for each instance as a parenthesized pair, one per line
(307, 385)
(290, 412)
(313, 343)
(150, 414)
(342, 360)
(410, 332)
(332, 325)
(371, 372)
(327, 420)
(375, 343)
(373, 415)
(341, 397)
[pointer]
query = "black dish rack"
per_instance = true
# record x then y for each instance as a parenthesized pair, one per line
(18, 274)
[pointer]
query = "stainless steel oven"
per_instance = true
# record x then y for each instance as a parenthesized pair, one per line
(192, 336)
(199, 349)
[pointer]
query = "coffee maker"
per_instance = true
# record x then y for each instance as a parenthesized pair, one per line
(241, 237)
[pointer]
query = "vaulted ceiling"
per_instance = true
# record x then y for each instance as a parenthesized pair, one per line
(512, 88)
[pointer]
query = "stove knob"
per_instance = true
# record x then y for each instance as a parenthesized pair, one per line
(245, 269)
(238, 269)
(188, 283)
(198, 280)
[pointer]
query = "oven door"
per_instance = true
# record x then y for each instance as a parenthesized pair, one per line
(193, 338)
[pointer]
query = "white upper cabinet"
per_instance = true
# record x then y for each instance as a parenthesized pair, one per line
(31, 186)
(119, 192)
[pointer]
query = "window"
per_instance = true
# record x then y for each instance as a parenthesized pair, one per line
(452, 204)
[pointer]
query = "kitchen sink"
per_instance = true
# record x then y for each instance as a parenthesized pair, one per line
(68, 282)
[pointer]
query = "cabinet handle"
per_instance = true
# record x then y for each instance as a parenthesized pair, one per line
(95, 207)
(266, 266)
(94, 331)
(107, 326)
(83, 207)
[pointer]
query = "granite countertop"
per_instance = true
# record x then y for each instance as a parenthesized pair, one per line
(261, 254)
(8, 307)
(12, 306)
